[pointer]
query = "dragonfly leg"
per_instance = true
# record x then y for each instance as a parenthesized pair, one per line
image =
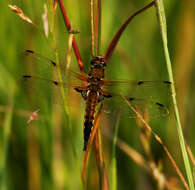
(83, 91)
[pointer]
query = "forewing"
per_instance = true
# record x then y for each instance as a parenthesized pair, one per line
(40, 91)
(46, 65)
(139, 89)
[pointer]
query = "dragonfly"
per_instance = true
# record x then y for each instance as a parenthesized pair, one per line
(95, 89)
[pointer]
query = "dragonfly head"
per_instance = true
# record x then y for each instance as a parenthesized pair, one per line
(98, 62)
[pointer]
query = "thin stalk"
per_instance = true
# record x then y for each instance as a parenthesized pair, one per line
(65, 105)
(92, 27)
(98, 27)
(163, 28)
(6, 137)
(113, 183)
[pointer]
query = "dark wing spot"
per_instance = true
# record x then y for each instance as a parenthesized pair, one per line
(159, 104)
(55, 83)
(140, 82)
(167, 82)
(29, 51)
(131, 99)
(27, 76)
(108, 96)
(53, 63)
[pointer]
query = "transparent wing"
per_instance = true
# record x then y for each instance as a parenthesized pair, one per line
(139, 89)
(40, 91)
(145, 96)
(143, 106)
(45, 61)
(49, 91)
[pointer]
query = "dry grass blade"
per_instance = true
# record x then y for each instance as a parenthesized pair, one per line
(133, 154)
(54, 5)
(179, 173)
(45, 21)
(97, 148)
(86, 154)
(190, 155)
(149, 167)
(20, 13)
(103, 178)
(68, 57)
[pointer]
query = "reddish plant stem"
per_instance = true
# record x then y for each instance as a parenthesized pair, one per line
(74, 44)
(117, 36)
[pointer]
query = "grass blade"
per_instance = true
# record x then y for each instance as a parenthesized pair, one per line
(113, 180)
(6, 138)
(163, 28)
(158, 139)
(117, 36)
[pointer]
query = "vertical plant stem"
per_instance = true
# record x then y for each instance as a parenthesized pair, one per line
(65, 105)
(98, 27)
(113, 183)
(3, 166)
(92, 27)
(6, 138)
(162, 22)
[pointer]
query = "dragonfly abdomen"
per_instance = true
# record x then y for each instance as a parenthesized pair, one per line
(91, 102)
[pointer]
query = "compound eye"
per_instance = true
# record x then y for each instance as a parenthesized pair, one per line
(94, 60)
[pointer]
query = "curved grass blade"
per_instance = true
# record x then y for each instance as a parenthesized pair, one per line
(158, 139)
(117, 36)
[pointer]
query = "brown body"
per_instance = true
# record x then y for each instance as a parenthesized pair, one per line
(92, 94)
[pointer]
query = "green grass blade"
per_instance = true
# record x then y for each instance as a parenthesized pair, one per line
(162, 22)
(6, 137)
(113, 181)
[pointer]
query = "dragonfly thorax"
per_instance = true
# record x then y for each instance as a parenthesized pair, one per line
(96, 72)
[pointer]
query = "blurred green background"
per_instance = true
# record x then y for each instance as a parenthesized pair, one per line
(40, 155)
